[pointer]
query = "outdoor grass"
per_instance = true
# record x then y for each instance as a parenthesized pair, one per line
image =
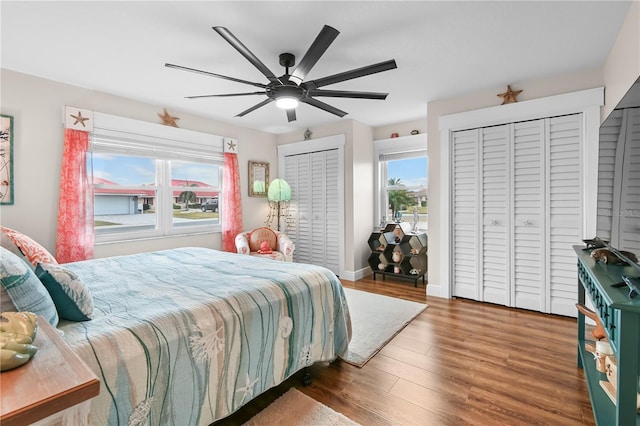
(105, 223)
(195, 215)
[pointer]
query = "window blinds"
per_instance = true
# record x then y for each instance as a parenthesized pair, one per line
(127, 136)
(402, 155)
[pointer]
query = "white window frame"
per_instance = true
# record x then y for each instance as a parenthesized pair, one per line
(401, 147)
(125, 136)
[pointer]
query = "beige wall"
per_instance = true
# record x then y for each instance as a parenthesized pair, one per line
(36, 105)
(402, 129)
(623, 64)
(363, 196)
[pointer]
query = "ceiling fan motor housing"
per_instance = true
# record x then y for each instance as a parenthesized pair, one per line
(287, 60)
(288, 90)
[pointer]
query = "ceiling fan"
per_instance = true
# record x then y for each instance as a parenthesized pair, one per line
(290, 89)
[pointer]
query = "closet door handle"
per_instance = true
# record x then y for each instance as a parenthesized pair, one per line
(493, 222)
(526, 222)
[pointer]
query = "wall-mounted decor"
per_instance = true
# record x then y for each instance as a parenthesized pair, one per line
(509, 97)
(6, 159)
(258, 179)
(168, 119)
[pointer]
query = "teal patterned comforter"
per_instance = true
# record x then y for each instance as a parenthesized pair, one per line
(187, 336)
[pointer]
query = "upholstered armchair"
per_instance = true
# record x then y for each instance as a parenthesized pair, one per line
(266, 242)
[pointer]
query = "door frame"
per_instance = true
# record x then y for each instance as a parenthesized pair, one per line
(587, 102)
(322, 144)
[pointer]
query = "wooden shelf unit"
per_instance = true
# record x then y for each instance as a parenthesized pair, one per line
(52, 381)
(620, 316)
(412, 249)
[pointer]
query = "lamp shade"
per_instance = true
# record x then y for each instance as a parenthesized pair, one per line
(279, 190)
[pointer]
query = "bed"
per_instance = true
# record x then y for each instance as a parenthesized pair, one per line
(188, 336)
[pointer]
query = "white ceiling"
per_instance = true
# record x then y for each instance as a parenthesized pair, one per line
(442, 49)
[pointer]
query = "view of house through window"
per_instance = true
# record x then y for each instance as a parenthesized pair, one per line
(405, 193)
(153, 196)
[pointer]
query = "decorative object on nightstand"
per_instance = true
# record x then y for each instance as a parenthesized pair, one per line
(55, 385)
(396, 251)
(17, 333)
(279, 196)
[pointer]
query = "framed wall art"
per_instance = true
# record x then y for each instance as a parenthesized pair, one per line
(6, 159)
(258, 179)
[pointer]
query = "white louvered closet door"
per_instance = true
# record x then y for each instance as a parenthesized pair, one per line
(517, 212)
(465, 189)
(314, 225)
(619, 180)
(297, 174)
(528, 260)
(496, 222)
(564, 200)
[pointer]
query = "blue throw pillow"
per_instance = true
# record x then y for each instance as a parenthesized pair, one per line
(71, 296)
(24, 288)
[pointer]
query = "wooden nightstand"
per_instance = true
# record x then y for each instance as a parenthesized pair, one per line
(54, 380)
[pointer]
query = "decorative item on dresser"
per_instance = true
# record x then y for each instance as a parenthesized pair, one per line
(395, 251)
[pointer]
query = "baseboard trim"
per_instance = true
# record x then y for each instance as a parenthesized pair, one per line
(434, 290)
(356, 275)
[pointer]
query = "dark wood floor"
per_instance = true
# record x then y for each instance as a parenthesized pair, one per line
(459, 363)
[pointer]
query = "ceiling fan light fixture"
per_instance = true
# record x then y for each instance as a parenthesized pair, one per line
(296, 80)
(286, 102)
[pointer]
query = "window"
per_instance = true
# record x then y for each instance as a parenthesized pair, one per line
(151, 180)
(402, 181)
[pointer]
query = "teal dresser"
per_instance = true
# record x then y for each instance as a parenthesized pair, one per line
(620, 316)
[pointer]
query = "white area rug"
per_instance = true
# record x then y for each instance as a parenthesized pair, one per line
(375, 320)
(296, 408)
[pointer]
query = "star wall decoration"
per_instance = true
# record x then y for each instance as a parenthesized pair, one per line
(168, 119)
(230, 145)
(79, 119)
(509, 96)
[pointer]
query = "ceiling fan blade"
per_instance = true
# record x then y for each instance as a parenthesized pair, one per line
(291, 115)
(326, 107)
(244, 51)
(348, 94)
(255, 107)
(316, 50)
(180, 67)
(225, 95)
(348, 75)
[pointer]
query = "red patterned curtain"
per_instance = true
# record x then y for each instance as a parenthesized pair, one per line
(231, 202)
(75, 208)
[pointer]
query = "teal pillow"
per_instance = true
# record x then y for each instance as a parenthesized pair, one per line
(71, 296)
(24, 288)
